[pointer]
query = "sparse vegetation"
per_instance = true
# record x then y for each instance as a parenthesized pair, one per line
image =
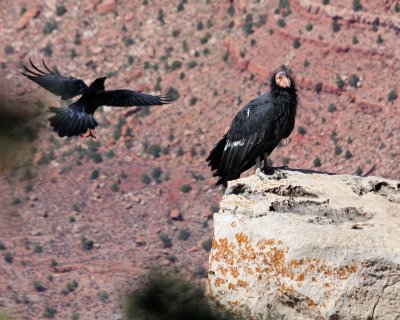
(60, 11)
(317, 162)
(154, 150)
(309, 27)
(301, 130)
(184, 234)
(185, 188)
(37, 248)
(325, 2)
(115, 187)
(145, 178)
(353, 80)
(296, 43)
(331, 108)
(8, 257)
(248, 25)
(207, 245)
(87, 244)
(306, 63)
(166, 241)
(231, 10)
(355, 40)
(160, 17)
(103, 296)
(49, 312)
(200, 26)
(192, 101)
(338, 150)
(95, 174)
(335, 26)
(9, 49)
(2, 246)
(50, 26)
(357, 5)
(379, 39)
(339, 82)
(281, 23)
(392, 95)
(38, 286)
(348, 155)
(358, 171)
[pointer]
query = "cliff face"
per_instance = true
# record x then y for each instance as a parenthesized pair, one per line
(308, 246)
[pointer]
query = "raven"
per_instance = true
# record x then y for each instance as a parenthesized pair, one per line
(256, 130)
(78, 117)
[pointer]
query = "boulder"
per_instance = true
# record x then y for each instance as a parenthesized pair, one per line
(307, 245)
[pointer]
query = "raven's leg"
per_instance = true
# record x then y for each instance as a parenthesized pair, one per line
(89, 135)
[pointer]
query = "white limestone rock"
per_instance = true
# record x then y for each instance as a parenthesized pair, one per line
(303, 246)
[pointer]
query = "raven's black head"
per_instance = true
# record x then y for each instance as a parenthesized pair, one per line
(98, 84)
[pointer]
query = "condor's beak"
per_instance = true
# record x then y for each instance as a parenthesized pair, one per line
(283, 80)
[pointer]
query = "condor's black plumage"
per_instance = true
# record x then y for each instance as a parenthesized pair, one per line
(256, 130)
(78, 117)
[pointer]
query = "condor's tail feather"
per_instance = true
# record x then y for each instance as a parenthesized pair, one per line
(71, 121)
(214, 160)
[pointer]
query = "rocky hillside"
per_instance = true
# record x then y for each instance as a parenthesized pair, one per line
(307, 245)
(81, 220)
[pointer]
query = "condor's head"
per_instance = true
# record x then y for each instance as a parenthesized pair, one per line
(282, 81)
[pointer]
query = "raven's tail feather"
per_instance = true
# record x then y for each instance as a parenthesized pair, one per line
(214, 160)
(69, 122)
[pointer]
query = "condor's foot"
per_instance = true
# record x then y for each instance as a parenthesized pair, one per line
(271, 170)
(89, 135)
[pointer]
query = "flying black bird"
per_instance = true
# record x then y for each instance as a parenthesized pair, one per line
(256, 130)
(78, 117)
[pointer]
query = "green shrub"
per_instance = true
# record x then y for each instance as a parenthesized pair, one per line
(145, 178)
(8, 257)
(317, 162)
(95, 174)
(338, 150)
(348, 155)
(335, 26)
(353, 80)
(281, 23)
(357, 5)
(392, 95)
(184, 234)
(331, 108)
(166, 241)
(185, 188)
(309, 27)
(60, 11)
(355, 40)
(207, 245)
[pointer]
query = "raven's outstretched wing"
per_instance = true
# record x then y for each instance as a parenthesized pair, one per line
(65, 87)
(125, 98)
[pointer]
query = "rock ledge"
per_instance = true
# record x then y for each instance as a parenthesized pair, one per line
(297, 245)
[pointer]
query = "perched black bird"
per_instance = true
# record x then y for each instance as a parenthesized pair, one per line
(256, 130)
(78, 117)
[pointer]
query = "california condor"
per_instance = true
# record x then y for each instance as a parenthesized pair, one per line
(256, 130)
(78, 118)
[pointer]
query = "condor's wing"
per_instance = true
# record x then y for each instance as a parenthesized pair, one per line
(252, 128)
(126, 98)
(66, 87)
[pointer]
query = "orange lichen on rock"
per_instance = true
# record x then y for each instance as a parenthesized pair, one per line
(219, 281)
(242, 284)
